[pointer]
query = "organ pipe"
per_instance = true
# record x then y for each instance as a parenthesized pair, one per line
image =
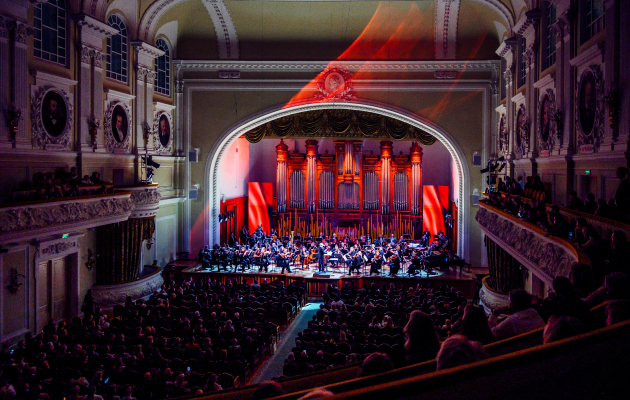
(311, 175)
(416, 179)
(281, 175)
(386, 162)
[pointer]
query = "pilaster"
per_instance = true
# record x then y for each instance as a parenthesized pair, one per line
(89, 110)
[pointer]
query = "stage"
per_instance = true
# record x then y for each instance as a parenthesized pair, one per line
(317, 283)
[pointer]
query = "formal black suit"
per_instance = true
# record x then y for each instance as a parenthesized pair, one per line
(320, 258)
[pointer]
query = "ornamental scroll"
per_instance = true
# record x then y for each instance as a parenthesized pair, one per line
(339, 123)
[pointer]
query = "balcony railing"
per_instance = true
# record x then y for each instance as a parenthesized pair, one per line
(28, 220)
(545, 256)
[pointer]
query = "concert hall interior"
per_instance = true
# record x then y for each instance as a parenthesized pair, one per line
(357, 199)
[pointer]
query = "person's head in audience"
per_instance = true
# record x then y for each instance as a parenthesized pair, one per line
(291, 358)
(475, 325)
(617, 286)
(617, 311)
(582, 277)
(375, 363)
(519, 300)
(562, 327)
(422, 342)
(267, 390)
(618, 240)
(562, 286)
(622, 172)
(458, 350)
(318, 394)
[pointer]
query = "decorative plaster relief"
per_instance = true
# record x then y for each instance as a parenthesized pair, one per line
(537, 252)
(589, 112)
(546, 124)
(109, 295)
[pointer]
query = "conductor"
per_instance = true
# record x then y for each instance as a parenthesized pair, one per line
(320, 258)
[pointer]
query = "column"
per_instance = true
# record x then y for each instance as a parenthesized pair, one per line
(19, 80)
(145, 77)
(6, 138)
(564, 100)
(311, 176)
(624, 75)
(611, 68)
(282, 154)
(416, 178)
(386, 166)
(89, 107)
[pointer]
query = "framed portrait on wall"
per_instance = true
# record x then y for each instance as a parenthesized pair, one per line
(120, 124)
(164, 130)
(588, 104)
(545, 119)
(163, 133)
(54, 113)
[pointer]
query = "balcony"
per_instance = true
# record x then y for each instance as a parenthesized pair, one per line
(544, 256)
(28, 220)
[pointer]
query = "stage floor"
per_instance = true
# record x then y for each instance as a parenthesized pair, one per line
(317, 283)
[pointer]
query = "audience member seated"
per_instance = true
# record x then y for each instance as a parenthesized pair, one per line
(375, 363)
(171, 345)
(521, 316)
(590, 205)
(474, 325)
(458, 350)
(422, 342)
(562, 327)
(267, 390)
(564, 300)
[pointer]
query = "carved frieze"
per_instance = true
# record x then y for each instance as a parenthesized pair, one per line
(532, 249)
(334, 84)
(521, 132)
(49, 217)
(503, 136)
(109, 295)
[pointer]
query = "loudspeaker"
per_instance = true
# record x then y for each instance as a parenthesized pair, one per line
(192, 156)
(476, 159)
(192, 194)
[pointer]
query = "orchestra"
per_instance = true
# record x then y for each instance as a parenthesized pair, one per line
(346, 254)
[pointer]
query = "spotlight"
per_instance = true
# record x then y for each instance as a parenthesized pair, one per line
(149, 174)
(502, 166)
(149, 161)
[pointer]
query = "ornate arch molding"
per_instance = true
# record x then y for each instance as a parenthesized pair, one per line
(446, 18)
(501, 9)
(218, 12)
(212, 194)
(95, 8)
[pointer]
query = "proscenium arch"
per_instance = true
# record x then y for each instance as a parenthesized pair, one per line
(212, 193)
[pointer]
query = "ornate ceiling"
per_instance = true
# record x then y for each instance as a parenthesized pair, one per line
(321, 30)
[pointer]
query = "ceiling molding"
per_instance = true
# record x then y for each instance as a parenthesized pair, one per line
(500, 9)
(95, 8)
(351, 66)
(446, 18)
(224, 28)
(151, 17)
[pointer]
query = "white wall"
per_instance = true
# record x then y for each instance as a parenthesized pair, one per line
(235, 169)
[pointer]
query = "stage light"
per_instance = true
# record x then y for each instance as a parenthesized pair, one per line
(483, 171)
(502, 166)
(149, 173)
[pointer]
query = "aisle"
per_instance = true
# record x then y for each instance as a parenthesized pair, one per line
(273, 366)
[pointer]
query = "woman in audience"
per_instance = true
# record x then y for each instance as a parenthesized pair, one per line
(474, 325)
(422, 342)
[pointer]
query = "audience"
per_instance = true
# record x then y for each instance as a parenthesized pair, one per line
(375, 363)
(562, 327)
(521, 316)
(458, 350)
(179, 342)
(58, 185)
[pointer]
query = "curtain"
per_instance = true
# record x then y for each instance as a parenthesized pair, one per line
(118, 249)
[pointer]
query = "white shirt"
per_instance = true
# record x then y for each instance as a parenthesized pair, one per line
(515, 324)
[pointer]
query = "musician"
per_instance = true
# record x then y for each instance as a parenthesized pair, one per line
(426, 238)
(281, 260)
(392, 239)
(309, 238)
(415, 263)
(320, 257)
(394, 264)
(377, 262)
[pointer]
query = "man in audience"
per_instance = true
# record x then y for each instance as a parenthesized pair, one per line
(458, 350)
(562, 327)
(521, 316)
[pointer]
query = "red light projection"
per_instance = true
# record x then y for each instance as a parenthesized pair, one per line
(260, 205)
(435, 204)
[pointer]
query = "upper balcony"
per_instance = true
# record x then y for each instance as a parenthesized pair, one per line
(29, 220)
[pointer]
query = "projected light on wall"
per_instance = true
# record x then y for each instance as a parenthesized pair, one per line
(260, 199)
(435, 206)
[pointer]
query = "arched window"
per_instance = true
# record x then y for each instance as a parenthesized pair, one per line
(117, 50)
(50, 31)
(163, 69)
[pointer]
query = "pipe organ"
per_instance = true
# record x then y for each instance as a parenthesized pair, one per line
(349, 181)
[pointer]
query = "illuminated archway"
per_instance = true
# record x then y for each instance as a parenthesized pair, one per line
(212, 193)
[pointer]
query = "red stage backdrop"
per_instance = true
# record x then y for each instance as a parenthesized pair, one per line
(434, 205)
(260, 205)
